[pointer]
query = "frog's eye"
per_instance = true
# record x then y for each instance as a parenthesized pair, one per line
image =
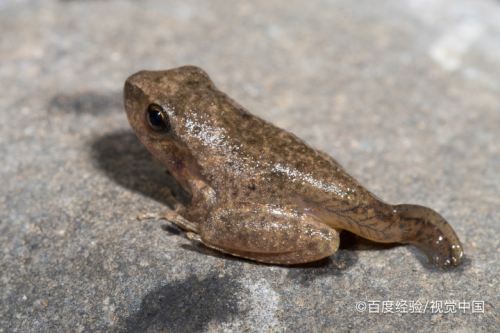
(157, 118)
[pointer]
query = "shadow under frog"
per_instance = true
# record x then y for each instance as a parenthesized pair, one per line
(86, 102)
(187, 305)
(121, 156)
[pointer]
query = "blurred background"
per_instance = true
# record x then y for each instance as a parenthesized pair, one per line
(404, 94)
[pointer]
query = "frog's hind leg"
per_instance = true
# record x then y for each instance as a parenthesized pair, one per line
(274, 236)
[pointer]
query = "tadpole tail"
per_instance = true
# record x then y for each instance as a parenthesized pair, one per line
(431, 233)
(417, 225)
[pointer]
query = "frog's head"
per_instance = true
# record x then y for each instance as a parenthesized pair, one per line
(159, 106)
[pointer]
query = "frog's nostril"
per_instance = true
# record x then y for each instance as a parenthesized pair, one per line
(128, 88)
(131, 91)
(134, 83)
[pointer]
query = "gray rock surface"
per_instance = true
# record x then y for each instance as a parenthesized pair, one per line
(405, 94)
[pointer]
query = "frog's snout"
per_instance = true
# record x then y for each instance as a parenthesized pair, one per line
(129, 95)
(133, 84)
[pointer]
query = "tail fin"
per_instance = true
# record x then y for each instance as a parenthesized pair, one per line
(429, 231)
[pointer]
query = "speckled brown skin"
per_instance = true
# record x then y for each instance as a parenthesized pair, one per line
(258, 191)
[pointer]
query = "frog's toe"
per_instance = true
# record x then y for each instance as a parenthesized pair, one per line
(193, 236)
(180, 221)
(147, 216)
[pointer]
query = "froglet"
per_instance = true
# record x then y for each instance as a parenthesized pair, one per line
(257, 191)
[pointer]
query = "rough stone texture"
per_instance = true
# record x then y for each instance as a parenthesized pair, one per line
(405, 94)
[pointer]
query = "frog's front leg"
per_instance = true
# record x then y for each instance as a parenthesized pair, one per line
(176, 218)
(269, 234)
(200, 203)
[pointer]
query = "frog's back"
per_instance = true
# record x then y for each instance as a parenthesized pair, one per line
(257, 155)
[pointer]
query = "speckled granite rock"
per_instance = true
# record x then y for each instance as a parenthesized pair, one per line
(405, 94)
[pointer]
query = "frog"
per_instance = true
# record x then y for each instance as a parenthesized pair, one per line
(257, 191)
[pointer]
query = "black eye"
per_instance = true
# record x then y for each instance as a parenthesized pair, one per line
(157, 118)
